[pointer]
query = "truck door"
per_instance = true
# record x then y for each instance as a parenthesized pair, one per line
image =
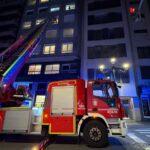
(104, 99)
(63, 110)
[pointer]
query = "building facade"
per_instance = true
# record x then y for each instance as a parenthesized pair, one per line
(10, 17)
(139, 26)
(57, 56)
(107, 35)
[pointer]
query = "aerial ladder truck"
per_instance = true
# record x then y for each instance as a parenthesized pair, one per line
(71, 108)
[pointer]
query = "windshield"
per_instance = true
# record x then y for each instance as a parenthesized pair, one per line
(105, 89)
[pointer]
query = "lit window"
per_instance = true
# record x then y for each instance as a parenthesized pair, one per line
(38, 21)
(51, 33)
(49, 49)
(69, 18)
(68, 32)
(55, 20)
(54, 9)
(70, 7)
(52, 69)
(31, 2)
(40, 99)
(27, 25)
(34, 69)
(67, 48)
(43, 1)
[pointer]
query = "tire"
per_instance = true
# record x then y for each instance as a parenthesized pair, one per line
(95, 134)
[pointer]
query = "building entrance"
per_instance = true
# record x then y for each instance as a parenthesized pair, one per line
(128, 107)
(146, 107)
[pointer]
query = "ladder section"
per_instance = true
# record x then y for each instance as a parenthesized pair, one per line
(14, 57)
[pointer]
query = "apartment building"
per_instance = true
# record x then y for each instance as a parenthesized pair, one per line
(139, 26)
(106, 36)
(57, 56)
(10, 17)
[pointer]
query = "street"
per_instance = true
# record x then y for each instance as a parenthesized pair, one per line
(138, 138)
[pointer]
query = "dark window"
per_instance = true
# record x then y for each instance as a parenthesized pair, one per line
(120, 76)
(103, 4)
(134, 2)
(42, 9)
(105, 34)
(143, 52)
(41, 87)
(145, 72)
(91, 74)
(107, 51)
(105, 18)
(148, 1)
(29, 12)
(69, 68)
(140, 31)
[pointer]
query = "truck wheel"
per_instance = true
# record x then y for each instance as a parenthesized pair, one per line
(95, 134)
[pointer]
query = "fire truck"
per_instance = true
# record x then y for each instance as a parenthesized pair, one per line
(93, 111)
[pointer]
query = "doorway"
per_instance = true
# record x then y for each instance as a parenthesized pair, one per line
(146, 107)
(128, 107)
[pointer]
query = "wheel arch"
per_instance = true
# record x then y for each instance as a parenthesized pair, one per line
(92, 116)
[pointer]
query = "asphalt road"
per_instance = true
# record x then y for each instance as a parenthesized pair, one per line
(60, 143)
(138, 138)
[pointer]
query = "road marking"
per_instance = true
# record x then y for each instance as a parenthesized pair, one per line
(145, 132)
(147, 148)
(135, 138)
(148, 135)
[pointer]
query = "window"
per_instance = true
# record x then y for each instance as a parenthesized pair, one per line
(52, 69)
(70, 7)
(29, 12)
(69, 18)
(148, 4)
(67, 48)
(69, 68)
(54, 9)
(55, 20)
(140, 31)
(68, 32)
(39, 21)
(107, 51)
(40, 99)
(43, 1)
(105, 33)
(37, 50)
(120, 77)
(31, 2)
(34, 69)
(51, 33)
(27, 25)
(49, 49)
(103, 4)
(105, 18)
(145, 72)
(143, 52)
(42, 9)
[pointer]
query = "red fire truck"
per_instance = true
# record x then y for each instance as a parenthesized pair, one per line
(70, 108)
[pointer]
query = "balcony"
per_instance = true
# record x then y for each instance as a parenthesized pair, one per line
(10, 13)
(8, 34)
(9, 23)
(9, 3)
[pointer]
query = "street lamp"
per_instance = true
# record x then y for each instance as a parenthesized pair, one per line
(113, 69)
